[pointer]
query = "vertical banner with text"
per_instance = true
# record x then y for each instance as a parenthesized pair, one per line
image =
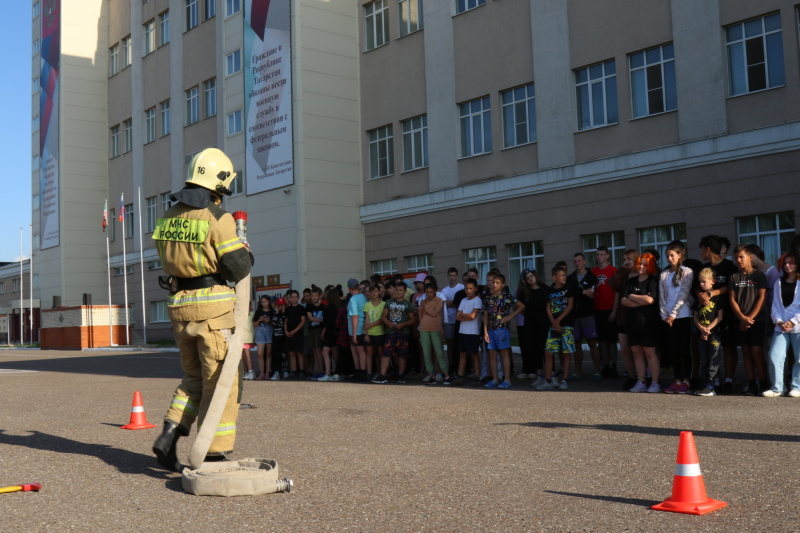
(48, 125)
(269, 162)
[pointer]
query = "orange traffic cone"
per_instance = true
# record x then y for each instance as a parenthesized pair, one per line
(688, 490)
(138, 418)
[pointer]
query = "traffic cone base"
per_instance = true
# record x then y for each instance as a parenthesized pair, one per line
(138, 418)
(688, 490)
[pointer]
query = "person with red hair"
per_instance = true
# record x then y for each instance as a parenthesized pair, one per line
(642, 321)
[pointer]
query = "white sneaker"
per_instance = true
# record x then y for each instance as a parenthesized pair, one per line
(794, 393)
(250, 375)
(639, 387)
(276, 376)
(563, 385)
(769, 393)
(554, 381)
(654, 387)
(539, 381)
(546, 386)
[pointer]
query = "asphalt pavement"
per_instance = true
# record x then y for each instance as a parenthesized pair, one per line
(377, 458)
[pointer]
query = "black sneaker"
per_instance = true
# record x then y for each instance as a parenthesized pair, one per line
(401, 378)
(447, 381)
(432, 381)
(612, 372)
(457, 381)
(379, 379)
(708, 390)
(726, 388)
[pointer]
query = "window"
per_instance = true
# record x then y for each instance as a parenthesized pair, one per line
(232, 6)
(410, 16)
(209, 9)
(755, 55)
(15, 285)
(154, 265)
(37, 46)
(525, 255)
(192, 105)
(2, 287)
(653, 81)
(235, 122)
(36, 280)
(128, 127)
(36, 85)
(36, 161)
(484, 259)
(127, 55)
(163, 23)
(377, 20)
(150, 125)
(415, 143)
(36, 9)
(476, 127)
(596, 87)
(158, 311)
(129, 220)
(149, 37)
(420, 263)
(233, 63)
(113, 60)
(613, 240)
(237, 186)
(165, 118)
(36, 123)
(152, 213)
(466, 5)
(381, 156)
(384, 267)
(112, 225)
(659, 237)
(519, 116)
(191, 14)
(118, 271)
(166, 203)
(114, 146)
(210, 94)
(773, 232)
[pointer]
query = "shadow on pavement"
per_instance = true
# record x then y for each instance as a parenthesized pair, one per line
(125, 461)
(617, 499)
(132, 365)
(670, 432)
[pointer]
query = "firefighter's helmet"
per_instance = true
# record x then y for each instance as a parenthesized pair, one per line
(212, 170)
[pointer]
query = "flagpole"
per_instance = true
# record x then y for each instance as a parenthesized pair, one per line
(141, 265)
(125, 270)
(21, 296)
(108, 274)
(30, 265)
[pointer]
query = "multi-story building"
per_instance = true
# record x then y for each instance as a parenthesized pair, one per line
(137, 87)
(516, 133)
(424, 134)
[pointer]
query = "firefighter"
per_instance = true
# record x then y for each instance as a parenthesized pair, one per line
(200, 251)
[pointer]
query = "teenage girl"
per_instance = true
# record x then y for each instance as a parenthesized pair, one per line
(785, 315)
(262, 322)
(641, 301)
(675, 300)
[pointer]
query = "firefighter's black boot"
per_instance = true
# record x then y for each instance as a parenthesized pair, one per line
(165, 446)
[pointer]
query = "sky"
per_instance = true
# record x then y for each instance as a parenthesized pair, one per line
(15, 136)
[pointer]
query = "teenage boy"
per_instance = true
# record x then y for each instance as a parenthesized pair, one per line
(560, 340)
(355, 327)
(451, 308)
(468, 316)
(398, 317)
(314, 310)
(747, 289)
(278, 339)
(707, 319)
(584, 281)
(295, 320)
(605, 312)
(711, 253)
(499, 308)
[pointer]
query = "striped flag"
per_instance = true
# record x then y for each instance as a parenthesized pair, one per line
(105, 215)
(121, 206)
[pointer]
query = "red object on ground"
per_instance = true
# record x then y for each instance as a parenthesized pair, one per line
(138, 418)
(688, 490)
(23, 488)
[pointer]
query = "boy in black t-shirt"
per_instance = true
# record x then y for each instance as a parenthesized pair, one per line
(295, 319)
(278, 338)
(748, 289)
(560, 340)
(314, 312)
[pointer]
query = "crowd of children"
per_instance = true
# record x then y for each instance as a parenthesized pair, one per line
(689, 317)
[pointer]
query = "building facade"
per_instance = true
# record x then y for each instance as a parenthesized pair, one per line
(513, 134)
(142, 86)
